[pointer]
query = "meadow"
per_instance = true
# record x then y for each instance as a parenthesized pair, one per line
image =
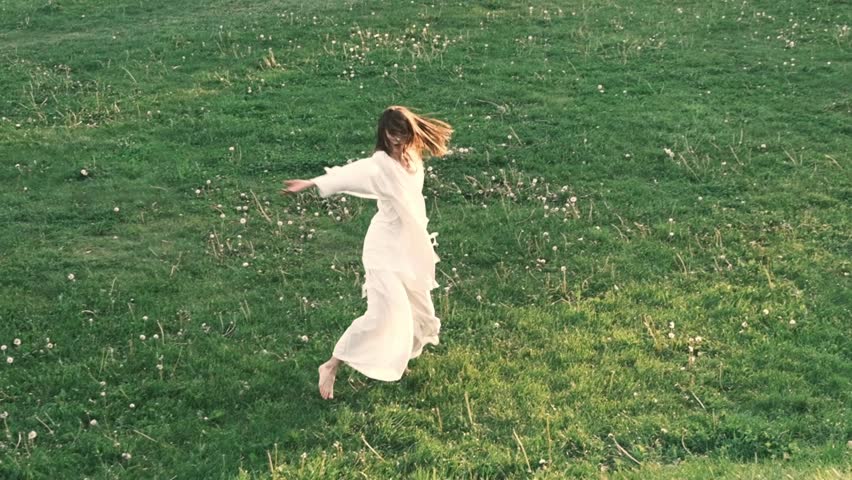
(644, 231)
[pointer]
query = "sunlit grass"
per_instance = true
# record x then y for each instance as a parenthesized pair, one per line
(644, 232)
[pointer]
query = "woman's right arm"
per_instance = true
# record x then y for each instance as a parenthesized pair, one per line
(357, 178)
(296, 186)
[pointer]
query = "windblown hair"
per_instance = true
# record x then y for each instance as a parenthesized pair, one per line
(399, 127)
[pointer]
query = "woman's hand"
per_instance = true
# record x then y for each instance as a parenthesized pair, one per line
(295, 186)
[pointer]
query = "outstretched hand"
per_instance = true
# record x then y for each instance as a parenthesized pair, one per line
(295, 186)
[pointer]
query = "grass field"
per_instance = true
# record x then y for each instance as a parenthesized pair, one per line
(644, 232)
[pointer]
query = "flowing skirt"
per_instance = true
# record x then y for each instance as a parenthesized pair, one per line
(400, 320)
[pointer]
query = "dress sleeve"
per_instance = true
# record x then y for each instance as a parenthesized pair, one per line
(358, 178)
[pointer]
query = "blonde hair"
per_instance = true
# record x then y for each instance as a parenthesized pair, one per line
(399, 127)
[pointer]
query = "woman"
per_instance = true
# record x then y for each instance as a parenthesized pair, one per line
(398, 256)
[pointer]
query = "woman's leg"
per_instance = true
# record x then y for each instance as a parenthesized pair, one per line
(426, 325)
(378, 343)
(327, 375)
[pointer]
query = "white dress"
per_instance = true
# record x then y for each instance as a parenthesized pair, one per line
(400, 267)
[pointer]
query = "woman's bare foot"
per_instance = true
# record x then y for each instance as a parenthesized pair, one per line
(327, 375)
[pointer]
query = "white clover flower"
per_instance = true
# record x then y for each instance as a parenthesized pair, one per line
(669, 152)
(563, 268)
(126, 456)
(10, 360)
(198, 191)
(116, 209)
(32, 435)
(3, 348)
(93, 422)
(230, 149)
(84, 172)
(671, 325)
(142, 337)
(71, 277)
(280, 223)
(792, 322)
(744, 324)
(16, 342)
(132, 406)
(671, 335)
(304, 338)
(243, 221)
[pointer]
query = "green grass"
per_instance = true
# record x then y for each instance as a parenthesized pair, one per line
(700, 326)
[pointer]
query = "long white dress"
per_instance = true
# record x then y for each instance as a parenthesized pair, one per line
(399, 261)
